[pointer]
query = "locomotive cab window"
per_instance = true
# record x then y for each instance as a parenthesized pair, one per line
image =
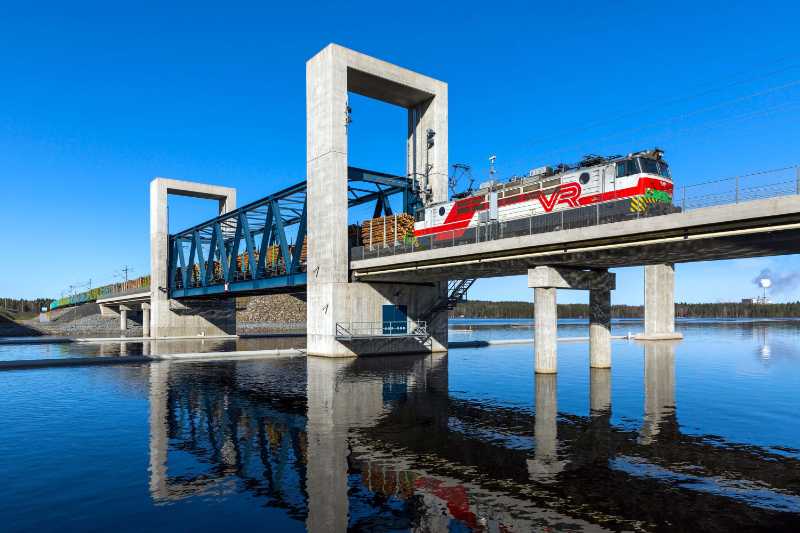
(419, 216)
(628, 167)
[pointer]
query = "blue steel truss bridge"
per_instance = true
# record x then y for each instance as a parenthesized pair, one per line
(260, 247)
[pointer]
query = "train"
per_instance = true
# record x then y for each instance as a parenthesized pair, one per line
(624, 186)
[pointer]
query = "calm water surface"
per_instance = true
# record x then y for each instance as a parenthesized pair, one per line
(18, 352)
(701, 435)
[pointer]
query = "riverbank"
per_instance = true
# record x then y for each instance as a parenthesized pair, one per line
(719, 310)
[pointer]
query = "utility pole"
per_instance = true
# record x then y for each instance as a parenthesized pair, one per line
(124, 271)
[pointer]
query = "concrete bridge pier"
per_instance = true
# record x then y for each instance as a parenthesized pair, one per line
(545, 281)
(600, 328)
(123, 317)
(659, 303)
(145, 320)
(545, 310)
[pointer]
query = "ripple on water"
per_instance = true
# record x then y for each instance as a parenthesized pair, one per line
(699, 436)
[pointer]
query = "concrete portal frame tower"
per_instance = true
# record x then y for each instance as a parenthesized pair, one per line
(170, 318)
(332, 298)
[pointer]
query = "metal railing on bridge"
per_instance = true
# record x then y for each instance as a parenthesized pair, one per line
(106, 291)
(349, 331)
(753, 186)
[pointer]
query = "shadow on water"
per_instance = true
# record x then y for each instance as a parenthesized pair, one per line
(381, 444)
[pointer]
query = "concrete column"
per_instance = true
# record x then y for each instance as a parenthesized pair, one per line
(545, 464)
(332, 297)
(600, 328)
(545, 280)
(659, 389)
(544, 332)
(659, 303)
(123, 317)
(145, 320)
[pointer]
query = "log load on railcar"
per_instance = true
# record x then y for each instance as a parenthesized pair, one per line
(615, 187)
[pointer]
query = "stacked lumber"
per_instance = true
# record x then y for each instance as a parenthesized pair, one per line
(385, 231)
(273, 261)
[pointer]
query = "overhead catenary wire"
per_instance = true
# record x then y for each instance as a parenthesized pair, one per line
(683, 116)
(670, 101)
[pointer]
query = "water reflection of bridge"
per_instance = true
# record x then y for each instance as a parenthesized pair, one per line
(219, 424)
(380, 442)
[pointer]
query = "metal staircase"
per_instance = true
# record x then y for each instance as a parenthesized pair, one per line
(456, 291)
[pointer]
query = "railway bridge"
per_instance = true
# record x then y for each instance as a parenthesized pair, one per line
(394, 298)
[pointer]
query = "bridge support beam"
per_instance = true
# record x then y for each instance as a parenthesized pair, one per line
(545, 281)
(659, 303)
(170, 318)
(332, 296)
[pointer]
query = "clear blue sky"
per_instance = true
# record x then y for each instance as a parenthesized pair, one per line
(97, 99)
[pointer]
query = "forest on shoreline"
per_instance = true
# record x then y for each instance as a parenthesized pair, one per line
(486, 309)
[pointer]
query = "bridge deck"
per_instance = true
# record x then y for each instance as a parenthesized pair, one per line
(748, 229)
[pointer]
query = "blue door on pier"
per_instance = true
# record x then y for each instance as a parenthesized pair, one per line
(395, 320)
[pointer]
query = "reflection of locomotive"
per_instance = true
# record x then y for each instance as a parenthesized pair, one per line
(622, 185)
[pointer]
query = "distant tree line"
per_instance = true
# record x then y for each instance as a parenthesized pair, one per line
(484, 309)
(16, 305)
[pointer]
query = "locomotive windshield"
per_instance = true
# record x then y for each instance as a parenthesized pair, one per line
(652, 166)
(637, 165)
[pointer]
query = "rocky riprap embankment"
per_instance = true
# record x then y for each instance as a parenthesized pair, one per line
(93, 326)
(271, 313)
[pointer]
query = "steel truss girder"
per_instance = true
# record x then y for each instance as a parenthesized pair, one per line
(216, 262)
